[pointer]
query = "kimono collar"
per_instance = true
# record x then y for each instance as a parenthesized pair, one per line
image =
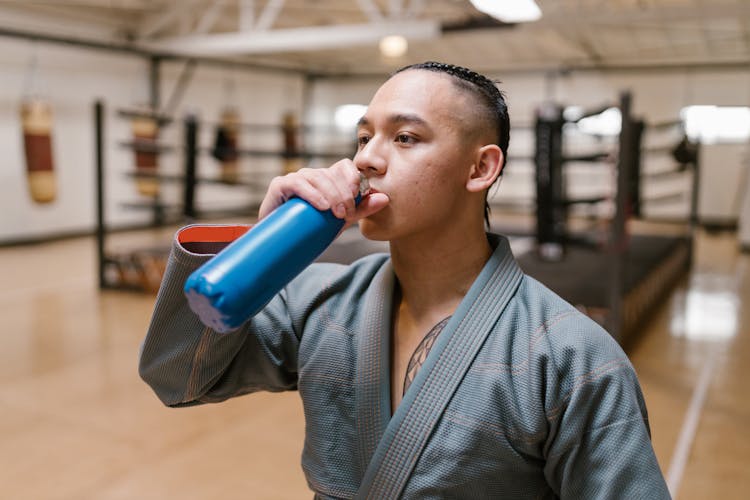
(380, 436)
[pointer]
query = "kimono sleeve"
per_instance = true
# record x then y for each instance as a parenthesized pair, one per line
(187, 363)
(599, 444)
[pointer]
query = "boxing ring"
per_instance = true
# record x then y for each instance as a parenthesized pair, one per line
(652, 266)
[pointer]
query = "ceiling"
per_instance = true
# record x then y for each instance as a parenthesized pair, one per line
(340, 36)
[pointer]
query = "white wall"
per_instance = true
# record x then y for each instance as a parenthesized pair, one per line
(744, 222)
(71, 79)
(723, 186)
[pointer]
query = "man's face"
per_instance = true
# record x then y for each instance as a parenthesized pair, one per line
(414, 147)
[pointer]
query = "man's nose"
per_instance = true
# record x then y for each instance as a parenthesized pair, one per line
(370, 159)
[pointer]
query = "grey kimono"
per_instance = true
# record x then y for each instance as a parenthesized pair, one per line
(522, 396)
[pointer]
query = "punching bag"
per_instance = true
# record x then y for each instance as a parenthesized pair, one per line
(36, 118)
(145, 130)
(225, 148)
(290, 128)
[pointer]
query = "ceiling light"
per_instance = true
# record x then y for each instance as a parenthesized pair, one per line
(393, 46)
(509, 11)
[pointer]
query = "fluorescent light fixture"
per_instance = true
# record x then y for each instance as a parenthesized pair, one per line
(347, 116)
(393, 46)
(509, 11)
(712, 124)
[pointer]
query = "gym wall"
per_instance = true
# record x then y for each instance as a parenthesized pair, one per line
(71, 79)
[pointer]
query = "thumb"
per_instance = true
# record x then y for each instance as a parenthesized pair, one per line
(371, 204)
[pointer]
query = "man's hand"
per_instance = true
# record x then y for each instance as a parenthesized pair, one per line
(331, 188)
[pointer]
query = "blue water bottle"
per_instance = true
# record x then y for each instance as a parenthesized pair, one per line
(240, 280)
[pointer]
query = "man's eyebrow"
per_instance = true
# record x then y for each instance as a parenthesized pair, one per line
(397, 118)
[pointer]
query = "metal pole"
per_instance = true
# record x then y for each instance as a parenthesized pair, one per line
(155, 101)
(618, 246)
(550, 209)
(191, 154)
(99, 160)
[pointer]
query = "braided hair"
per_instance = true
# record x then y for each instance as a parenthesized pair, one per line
(493, 107)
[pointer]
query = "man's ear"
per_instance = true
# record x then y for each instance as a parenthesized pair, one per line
(486, 168)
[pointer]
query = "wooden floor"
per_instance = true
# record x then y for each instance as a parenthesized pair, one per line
(78, 423)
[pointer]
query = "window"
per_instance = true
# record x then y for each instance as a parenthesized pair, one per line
(712, 124)
(346, 116)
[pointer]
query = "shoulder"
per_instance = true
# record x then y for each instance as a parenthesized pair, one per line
(560, 325)
(571, 348)
(565, 359)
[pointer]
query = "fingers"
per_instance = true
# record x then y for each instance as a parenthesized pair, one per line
(282, 188)
(331, 188)
(371, 204)
(332, 183)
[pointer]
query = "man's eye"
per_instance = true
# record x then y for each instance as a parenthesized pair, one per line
(404, 139)
(362, 140)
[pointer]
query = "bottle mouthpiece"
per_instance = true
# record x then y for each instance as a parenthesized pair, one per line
(364, 185)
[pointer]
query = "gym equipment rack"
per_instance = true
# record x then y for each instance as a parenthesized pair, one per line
(142, 269)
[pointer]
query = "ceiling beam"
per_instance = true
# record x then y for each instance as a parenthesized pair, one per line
(730, 65)
(152, 25)
(269, 14)
(371, 10)
(209, 17)
(395, 8)
(414, 8)
(132, 49)
(293, 39)
(55, 24)
(246, 14)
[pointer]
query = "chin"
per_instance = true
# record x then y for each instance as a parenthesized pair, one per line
(373, 231)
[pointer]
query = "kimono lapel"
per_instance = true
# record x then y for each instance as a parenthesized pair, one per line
(372, 384)
(422, 407)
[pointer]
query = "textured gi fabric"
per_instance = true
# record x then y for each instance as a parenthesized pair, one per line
(409, 430)
(549, 406)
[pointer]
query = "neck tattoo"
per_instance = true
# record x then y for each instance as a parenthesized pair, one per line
(421, 352)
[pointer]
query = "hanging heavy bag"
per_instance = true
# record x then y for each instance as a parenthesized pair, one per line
(36, 119)
(145, 132)
(225, 146)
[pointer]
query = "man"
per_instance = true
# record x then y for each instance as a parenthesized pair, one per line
(439, 370)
